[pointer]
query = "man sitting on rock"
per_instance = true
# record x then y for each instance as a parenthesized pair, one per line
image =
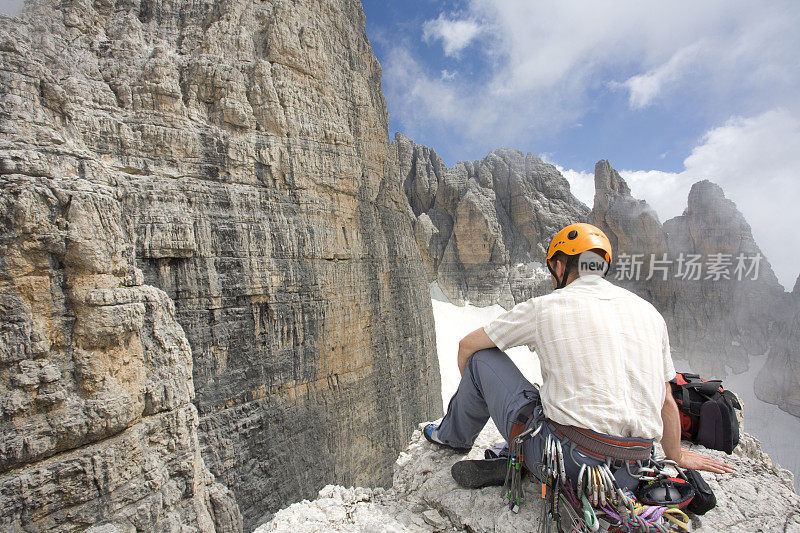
(605, 361)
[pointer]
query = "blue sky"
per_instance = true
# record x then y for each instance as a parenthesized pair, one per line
(598, 122)
(669, 92)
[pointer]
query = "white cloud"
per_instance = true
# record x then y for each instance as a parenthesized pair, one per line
(581, 183)
(454, 34)
(756, 162)
(544, 62)
(427, 98)
(764, 147)
(540, 63)
(666, 192)
(645, 87)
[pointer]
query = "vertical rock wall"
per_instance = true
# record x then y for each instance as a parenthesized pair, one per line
(238, 151)
(95, 374)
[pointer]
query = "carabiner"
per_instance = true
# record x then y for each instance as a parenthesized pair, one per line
(562, 469)
(581, 484)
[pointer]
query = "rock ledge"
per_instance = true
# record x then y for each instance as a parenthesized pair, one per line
(759, 496)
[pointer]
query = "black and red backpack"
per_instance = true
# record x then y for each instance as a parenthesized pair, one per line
(708, 412)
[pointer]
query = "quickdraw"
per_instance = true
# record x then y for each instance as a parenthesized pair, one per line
(512, 487)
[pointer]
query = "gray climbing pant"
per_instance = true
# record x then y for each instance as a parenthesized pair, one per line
(492, 386)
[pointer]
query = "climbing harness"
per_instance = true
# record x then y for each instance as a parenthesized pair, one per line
(596, 501)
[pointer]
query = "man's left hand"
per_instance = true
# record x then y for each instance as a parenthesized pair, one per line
(690, 459)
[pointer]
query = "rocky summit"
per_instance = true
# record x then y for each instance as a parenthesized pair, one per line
(212, 300)
(758, 496)
(709, 279)
(483, 227)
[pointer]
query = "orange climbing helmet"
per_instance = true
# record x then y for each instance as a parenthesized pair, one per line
(577, 238)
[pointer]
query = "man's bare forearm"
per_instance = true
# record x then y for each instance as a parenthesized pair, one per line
(671, 438)
(463, 357)
(475, 341)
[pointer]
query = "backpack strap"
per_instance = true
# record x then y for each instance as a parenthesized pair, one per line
(731, 397)
(688, 405)
(706, 388)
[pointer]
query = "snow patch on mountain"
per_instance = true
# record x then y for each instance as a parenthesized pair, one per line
(453, 323)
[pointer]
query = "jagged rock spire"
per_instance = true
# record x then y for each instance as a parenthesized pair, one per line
(481, 224)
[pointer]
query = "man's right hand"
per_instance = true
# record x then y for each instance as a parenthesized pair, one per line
(477, 340)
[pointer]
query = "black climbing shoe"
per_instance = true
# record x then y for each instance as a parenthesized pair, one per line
(430, 432)
(480, 473)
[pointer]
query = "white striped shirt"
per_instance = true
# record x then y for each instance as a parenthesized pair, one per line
(604, 354)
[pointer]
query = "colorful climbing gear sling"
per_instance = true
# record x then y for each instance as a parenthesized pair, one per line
(598, 501)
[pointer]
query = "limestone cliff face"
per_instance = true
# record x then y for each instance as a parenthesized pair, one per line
(480, 225)
(630, 224)
(234, 155)
(95, 374)
(715, 318)
(733, 316)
